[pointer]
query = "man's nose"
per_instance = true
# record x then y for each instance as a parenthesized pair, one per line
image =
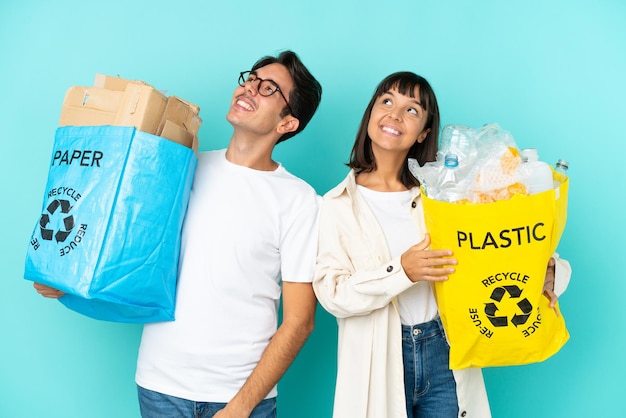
(252, 87)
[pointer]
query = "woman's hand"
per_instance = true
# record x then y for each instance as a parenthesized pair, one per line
(421, 264)
(548, 284)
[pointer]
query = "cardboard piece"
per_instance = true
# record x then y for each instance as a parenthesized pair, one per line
(177, 133)
(122, 102)
(182, 113)
(90, 106)
(114, 83)
(141, 107)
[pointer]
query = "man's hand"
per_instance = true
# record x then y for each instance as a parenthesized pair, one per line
(47, 291)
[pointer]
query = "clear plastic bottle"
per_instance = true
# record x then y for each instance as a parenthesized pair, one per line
(537, 174)
(449, 190)
(561, 166)
(457, 140)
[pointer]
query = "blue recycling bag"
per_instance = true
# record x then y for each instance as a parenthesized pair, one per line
(111, 220)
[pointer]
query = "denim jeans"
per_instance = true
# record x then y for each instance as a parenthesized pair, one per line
(158, 405)
(430, 389)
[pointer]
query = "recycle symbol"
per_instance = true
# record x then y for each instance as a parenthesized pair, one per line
(45, 222)
(491, 308)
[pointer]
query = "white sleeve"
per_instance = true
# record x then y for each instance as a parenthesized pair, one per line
(341, 287)
(562, 273)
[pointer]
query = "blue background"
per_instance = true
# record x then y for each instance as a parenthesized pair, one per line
(552, 73)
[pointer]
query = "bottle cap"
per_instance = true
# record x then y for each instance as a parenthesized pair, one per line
(451, 160)
(563, 164)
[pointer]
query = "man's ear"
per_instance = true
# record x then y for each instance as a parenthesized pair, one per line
(288, 124)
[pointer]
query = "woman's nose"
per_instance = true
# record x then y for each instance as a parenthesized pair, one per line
(394, 114)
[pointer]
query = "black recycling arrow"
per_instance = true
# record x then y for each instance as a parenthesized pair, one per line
(497, 294)
(65, 206)
(52, 207)
(497, 321)
(61, 236)
(519, 319)
(490, 309)
(514, 291)
(68, 222)
(46, 234)
(525, 306)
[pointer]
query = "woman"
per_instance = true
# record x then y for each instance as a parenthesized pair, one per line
(374, 270)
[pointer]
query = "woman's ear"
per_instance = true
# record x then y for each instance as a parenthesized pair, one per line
(422, 136)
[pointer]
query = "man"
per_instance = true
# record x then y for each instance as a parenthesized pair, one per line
(250, 227)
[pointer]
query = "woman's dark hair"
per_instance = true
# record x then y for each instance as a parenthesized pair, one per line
(306, 94)
(362, 158)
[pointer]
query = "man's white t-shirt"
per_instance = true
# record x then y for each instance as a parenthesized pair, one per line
(245, 231)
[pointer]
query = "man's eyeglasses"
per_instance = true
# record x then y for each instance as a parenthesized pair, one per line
(265, 88)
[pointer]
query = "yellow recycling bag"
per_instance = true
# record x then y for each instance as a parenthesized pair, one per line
(493, 308)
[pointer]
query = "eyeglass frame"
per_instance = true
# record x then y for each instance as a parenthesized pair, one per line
(244, 79)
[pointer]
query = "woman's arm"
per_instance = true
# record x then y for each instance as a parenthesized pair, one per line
(353, 278)
(557, 278)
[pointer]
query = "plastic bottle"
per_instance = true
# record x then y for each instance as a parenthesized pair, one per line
(448, 186)
(457, 140)
(561, 166)
(537, 174)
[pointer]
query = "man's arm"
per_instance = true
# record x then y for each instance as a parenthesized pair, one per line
(299, 304)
